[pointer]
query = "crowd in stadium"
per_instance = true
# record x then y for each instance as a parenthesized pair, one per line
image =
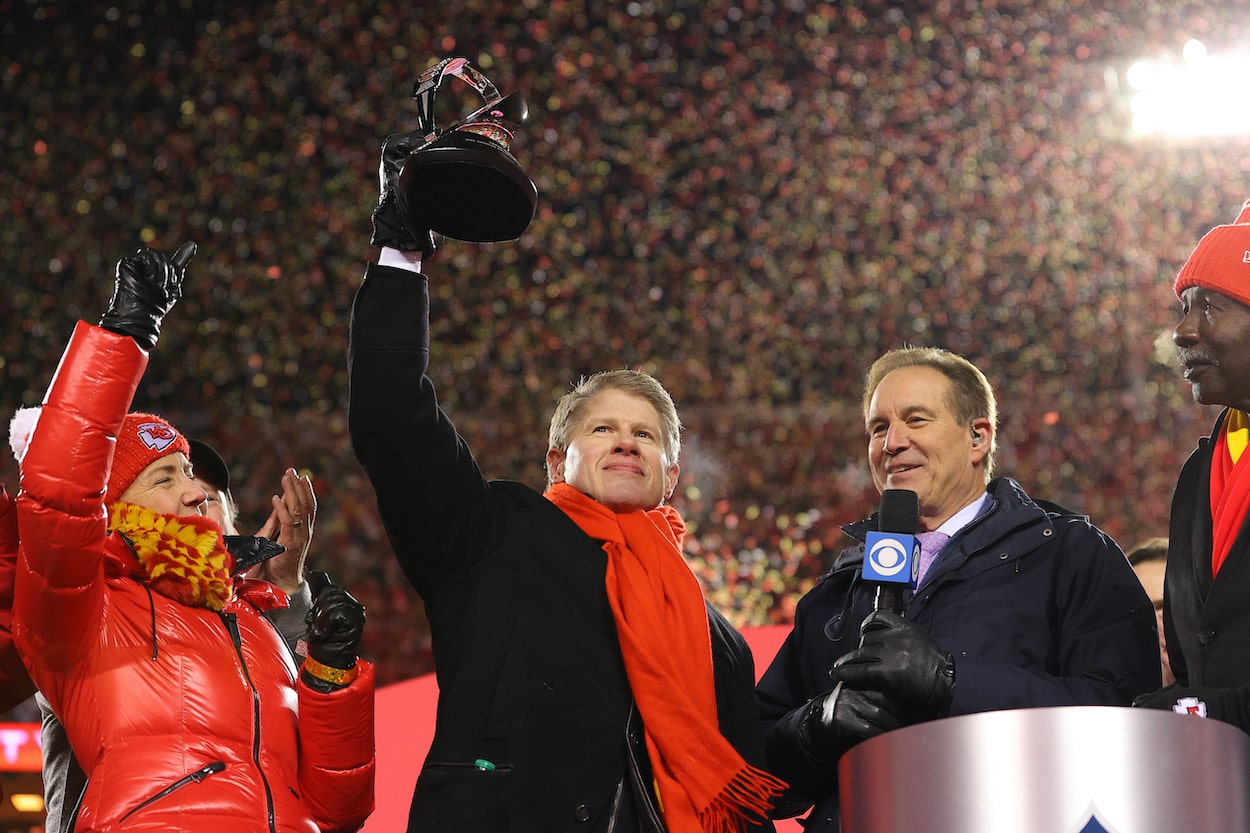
(749, 199)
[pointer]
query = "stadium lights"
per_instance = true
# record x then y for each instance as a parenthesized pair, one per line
(27, 802)
(1203, 95)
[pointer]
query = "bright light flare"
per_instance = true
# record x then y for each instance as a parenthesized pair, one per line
(1204, 95)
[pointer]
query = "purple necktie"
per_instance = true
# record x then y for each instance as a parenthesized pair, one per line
(931, 544)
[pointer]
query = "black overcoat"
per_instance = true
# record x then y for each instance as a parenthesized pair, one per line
(531, 726)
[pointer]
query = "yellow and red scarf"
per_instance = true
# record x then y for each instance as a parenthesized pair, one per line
(181, 557)
(702, 781)
(1230, 486)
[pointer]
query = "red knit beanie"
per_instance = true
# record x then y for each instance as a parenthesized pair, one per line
(142, 440)
(1222, 260)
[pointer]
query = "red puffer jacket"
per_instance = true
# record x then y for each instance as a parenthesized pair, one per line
(183, 718)
(15, 684)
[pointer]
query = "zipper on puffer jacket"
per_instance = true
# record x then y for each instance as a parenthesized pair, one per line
(151, 602)
(232, 625)
(196, 777)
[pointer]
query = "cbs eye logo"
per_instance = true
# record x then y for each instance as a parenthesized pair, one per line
(889, 556)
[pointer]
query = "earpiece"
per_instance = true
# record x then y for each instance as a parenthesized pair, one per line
(976, 437)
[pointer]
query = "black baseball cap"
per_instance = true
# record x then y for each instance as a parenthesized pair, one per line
(208, 465)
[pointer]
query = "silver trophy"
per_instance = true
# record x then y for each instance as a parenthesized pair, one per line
(463, 182)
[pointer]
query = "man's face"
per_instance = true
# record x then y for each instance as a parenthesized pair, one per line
(1150, 574)
(1214, 340)
(217, 507)
(166, 486)
(615, 454)
(915, 442)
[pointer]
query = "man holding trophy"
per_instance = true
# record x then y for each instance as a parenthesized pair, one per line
(585, 683)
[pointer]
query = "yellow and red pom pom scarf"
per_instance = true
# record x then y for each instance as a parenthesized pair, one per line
(181, 557)
(703, 783)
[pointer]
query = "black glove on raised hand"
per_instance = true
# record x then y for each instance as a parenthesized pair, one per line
(898, 658)
(1231, 705)
(842, 717)
(392, 224)
(335, 622)
(148, 284)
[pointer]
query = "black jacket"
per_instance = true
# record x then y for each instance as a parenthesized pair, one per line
(531, 732)
(1206, 620)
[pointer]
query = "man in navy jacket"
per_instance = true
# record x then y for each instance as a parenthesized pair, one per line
(1025, 605)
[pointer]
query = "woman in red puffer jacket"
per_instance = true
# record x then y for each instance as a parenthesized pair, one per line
(179, 699)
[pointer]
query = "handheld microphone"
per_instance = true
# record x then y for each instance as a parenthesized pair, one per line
(891, 554)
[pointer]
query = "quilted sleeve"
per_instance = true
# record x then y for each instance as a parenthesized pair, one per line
(60, 508)
(15, 684)
(337, 763)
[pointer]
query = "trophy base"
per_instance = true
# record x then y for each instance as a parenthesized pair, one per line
(468, 189)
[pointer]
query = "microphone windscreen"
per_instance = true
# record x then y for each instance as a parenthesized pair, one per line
(899, 512)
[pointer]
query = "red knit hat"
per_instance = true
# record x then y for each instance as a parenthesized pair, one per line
(1221, 261)
(142, 440)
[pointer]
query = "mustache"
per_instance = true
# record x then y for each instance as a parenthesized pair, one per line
(1188, 357)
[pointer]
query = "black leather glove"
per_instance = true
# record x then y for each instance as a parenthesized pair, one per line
(392, 223)
(250, 550)
(335, 622)
(842, 717)
(1230, 705)
(148, 284)
(898, 658)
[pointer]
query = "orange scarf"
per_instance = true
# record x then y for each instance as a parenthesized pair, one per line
(702, 781)
(1230, 486)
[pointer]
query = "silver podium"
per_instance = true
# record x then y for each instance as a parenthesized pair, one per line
(1080, 769)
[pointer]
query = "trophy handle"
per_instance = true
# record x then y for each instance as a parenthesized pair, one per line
(463, 182)
(428, 82)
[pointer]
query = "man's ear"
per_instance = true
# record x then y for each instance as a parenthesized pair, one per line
(674, 471)
(555, 465)
(982, 435)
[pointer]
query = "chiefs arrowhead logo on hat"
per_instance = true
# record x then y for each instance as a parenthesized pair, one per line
(157, 436)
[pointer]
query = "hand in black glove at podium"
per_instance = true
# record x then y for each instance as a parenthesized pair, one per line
(1231, 705)
(899, 659)
(392, 224)
(841, 718)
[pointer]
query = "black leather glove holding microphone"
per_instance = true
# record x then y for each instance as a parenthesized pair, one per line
(392, 224)
(336, 621)
(902, 661)
(148, 284)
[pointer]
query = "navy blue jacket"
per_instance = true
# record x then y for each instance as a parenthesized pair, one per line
(1037, 606)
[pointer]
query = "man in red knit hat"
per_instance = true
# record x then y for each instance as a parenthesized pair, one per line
(1206, 616)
